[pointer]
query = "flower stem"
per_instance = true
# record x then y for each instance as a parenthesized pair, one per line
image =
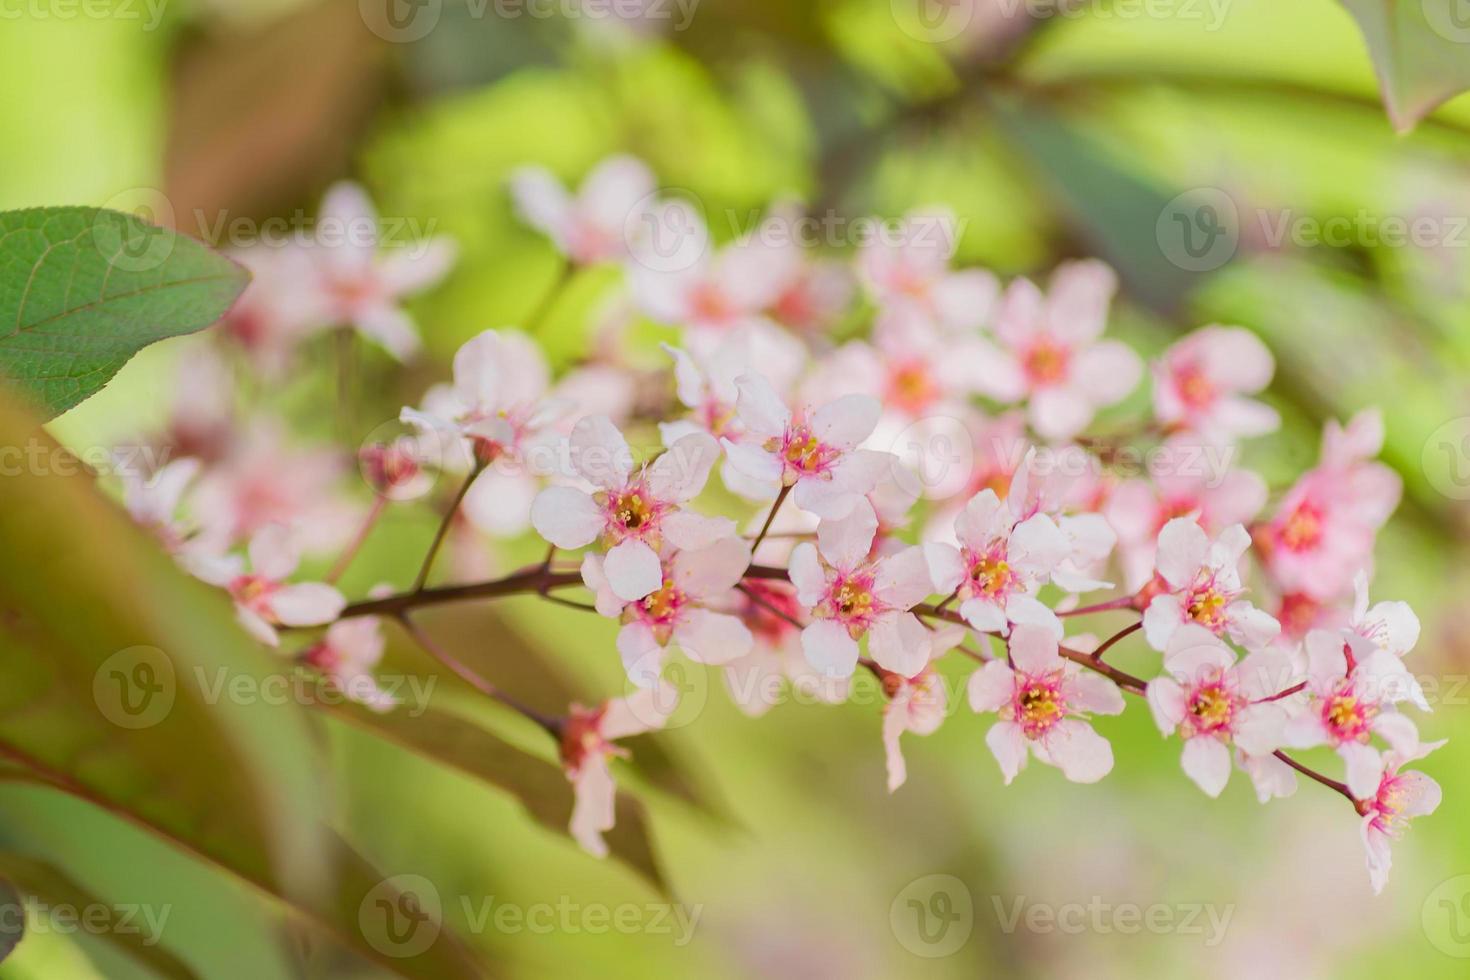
(1108, 643)
(1122, 602)
(427, 566)
(771, 517)
(380, 505)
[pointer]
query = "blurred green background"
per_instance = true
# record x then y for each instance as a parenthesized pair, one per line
(1054, 137)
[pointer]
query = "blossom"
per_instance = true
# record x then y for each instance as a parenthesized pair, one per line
(278, 309)
(1200, 380)
(346, 656)
(362, 287)
(1202, 585)
(770, 611)
(852, 595)
(497, 415)
(1323, 530)
(263, 599)
(634, 511)
(999, 566)
(1351, 700)
(587, 745)
(1388, 626)
(1050, 353)
(595, 225)
(814, 453)
(1184, 483)
(909, 267)
(683, 608)
(1213, 702)
(915, 704)
(1398, 798)
(705, 379)
(153, 502)
(1043, 701)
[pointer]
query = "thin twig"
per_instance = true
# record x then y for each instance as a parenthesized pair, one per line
(780, 499)
(423, 576)
(380, 505)
(1108, 643)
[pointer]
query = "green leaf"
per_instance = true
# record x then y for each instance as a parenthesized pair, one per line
(1420, 51)
(82, 290)
(53, 887)
(111, 665)
(540, 786)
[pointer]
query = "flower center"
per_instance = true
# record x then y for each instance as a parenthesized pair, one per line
(1046, 362)
(1348, 716)
(632, 511)
(1212, 709)
(252, 591)
(661, 606)
(1039, 705)
(991, 575)
(911, 387)
(1207, 608)
(709, 303)
(802, 453)
(1303, 529)
(1195, 390)
(853, 600)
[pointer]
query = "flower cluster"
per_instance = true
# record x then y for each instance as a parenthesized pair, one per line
(766, 517)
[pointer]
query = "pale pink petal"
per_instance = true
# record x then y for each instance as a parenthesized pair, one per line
(895, 719)
(946, 569)
(1082, 754)
(1183, 546)
(1207, 761)
(1421, 795)
(1364, 766)
(1399, 731)
(1166, 701)
(761, 410)
(1107, 371)
(845, 542)
(642, 655)
(1034, 650)
(633, 570)
(1250, 627)
(1037, 545)
(273, 552)
(991, 686)
(1234, 358)
(693, 532)
(899, 643)
(1025, 610)
(1078, 297)
(807, 575)
(988, 616)
(1193, 651)
(711, 637)
(754, 463)
(847, 421)
(1164, 615)
(1380, 855)
(594, 804)
(902, 580)
(980, 520)
(414, 268)
(829, 648)
(680, 473)
(390, 327)
(646, 709)
(611, 192)
(1008, 745)
(540, 200)
(256, 626)
(963, 300)
(600, 453)
(709, 572)
(1094, 693)
(1394, 626)
(307, 604)
(567, 517)
(1059, 412)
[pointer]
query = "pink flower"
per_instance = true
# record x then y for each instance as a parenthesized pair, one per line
(999, 566)
(680, 609)
(346, 656)
(705, 380)
(1199, 381)
(263, 599)
(776, 658)
(634, 512)
(852, 595)
(1050, 353)
(815, 453)
(1043, 701)
(1388, 626)
(363, 288)
(281, 307)
(587, 745)
(1351, 700)
(915, 704)
(1211, 701)
(398, 469)
(595, 225)
(153, 501)
(1203, 586)
(1324, 528)
(1399, 797)
(908, 267)
(1182, 485)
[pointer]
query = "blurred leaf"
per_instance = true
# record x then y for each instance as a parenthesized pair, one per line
(1420, 50)
(13, 925)
(1113, 210)
(109, 654)
(540, 786)
(53, 887)
(82, 290)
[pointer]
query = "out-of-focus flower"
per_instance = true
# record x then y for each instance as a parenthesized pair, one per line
(1199, 383)
(263, 598)
(909, 268)
(634, 512)
(915, 704)
(153, 500)
(1181, 485)
(1323, 531)
(594, 225)
(705, 381)
(1213, 702)
(1051, 354)
(1203, 586)
(587, 745)
(682, 609)
(814, 453)
(1043, 701)
(999, 566)
(362, 285)
(346, 656)
(280, 307)
(770, 611)
(852, 595)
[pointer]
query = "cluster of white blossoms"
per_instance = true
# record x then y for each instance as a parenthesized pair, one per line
(771, 520)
